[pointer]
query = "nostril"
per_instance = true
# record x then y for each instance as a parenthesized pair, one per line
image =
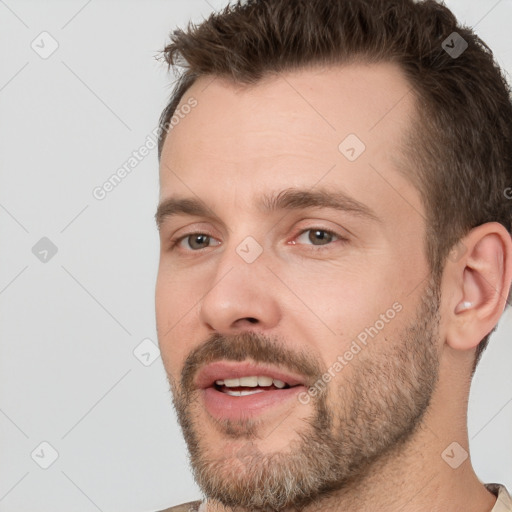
(252, 320)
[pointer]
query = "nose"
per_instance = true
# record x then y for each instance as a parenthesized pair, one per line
(241, 295)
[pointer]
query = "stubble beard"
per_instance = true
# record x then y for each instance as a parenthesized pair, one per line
(376, 408)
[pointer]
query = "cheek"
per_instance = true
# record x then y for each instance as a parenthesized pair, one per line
(173, 299)
(342, 299)
(171, 320)
(347, 310)
(172, 355)
(163, 306)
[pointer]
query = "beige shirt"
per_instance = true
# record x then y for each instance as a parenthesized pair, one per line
(503, 503)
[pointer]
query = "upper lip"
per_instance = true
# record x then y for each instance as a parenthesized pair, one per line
(221, 370)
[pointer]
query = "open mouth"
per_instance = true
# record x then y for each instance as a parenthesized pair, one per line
(245, 376)
(245, 386)
(236, 390)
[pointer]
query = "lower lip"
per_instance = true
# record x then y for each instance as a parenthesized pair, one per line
(223, 406)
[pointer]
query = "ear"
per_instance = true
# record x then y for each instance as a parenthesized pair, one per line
(477, 285)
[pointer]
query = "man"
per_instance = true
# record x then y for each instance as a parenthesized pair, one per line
(335, 252)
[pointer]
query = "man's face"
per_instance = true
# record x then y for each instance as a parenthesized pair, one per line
(334, 302)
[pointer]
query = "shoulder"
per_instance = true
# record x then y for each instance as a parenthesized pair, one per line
(191, 506)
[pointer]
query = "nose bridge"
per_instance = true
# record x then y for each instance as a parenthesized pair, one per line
(243, 251)
(241, 287)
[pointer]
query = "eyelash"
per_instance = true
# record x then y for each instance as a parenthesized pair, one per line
(176, 241)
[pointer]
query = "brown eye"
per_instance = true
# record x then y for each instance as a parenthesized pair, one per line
(198, 241)
(194, 242)
(319, 237)
(320, 234)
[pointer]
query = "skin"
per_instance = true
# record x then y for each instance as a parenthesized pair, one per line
(312, 299)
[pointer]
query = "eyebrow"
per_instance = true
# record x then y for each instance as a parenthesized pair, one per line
(288, 199)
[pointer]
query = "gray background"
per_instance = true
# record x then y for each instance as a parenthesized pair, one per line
(69, 326)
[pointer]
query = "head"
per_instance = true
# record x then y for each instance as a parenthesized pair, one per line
(297, 104)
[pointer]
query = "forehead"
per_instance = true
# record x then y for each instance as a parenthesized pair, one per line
(293, 129)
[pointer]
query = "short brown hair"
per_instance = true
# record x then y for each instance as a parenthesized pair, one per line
(458, 152)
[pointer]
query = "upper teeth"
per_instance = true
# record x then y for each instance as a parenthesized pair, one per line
(251, 382)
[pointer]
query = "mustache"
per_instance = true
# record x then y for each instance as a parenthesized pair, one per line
(248, 345)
